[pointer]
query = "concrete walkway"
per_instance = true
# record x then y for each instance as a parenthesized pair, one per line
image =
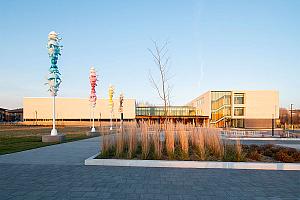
(58, 172)
(71, 153)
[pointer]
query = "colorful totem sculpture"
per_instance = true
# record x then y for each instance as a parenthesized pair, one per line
(54, 51)
(111, 91)
(93, 97)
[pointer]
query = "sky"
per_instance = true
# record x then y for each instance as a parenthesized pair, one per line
(212, 45)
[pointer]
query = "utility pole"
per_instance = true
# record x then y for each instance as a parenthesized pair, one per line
(121, 99)
(292, 117)
(273, 120)
(35, 117)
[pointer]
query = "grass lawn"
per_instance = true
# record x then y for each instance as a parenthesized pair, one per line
(14, 139)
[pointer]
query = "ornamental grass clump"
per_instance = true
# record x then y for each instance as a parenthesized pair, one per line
(156, 140)
(119, 143)
(198, 143)
(106, 142)
(238, 150)
(131, 131)
(182, 134)
(214, 144)
(145, 143)
(169, 135)
(172, 141)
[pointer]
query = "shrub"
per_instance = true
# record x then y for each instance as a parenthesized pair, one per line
(229, 153)
(254, 155)
(296, 156)
(233, 152)
(283, 156)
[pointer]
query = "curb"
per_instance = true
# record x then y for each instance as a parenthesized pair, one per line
(264, 139)
(191, 164)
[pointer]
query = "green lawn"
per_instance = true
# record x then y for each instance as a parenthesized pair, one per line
(14, 138)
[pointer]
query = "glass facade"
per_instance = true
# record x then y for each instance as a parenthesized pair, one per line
(220, 107)
(175, 111)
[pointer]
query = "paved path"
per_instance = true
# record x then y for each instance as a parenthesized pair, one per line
(295, 146)
(57, 172)
(71, 153)
(98, 182)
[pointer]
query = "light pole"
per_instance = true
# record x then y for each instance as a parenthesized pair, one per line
(93, 97)
(273, 124)
(111, 103)
(121, 99)
(292, 117)
(35, 117)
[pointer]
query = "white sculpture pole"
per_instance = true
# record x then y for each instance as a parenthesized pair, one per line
(93, 128)
(53, 131)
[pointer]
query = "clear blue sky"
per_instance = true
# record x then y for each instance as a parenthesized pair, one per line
(213, 45)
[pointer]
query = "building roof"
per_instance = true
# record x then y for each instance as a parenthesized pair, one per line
(18, 110)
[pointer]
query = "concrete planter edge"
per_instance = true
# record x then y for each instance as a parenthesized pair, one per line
(191, 164)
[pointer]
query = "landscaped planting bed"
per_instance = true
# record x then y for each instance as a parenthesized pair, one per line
(185, 142)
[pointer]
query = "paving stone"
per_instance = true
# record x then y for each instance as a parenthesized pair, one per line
(60, 180)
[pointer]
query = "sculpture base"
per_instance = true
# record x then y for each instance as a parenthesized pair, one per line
(92, 134)
(53, 138)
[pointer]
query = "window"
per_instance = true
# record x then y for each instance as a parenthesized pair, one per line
(238, 111)
(238, 98)
(237, 123)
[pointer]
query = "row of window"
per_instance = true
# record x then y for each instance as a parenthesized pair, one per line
(171, 111)
(216, 115)
(239, 98)
(200, 102)
(225, 100)
(215, 95)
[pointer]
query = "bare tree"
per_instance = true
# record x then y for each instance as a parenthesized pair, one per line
(162, 87)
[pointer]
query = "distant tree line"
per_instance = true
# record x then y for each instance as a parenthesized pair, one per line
(285, 116)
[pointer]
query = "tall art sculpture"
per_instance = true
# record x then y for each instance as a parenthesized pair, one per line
(111, 91)
(93, 97)
(54, 51)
